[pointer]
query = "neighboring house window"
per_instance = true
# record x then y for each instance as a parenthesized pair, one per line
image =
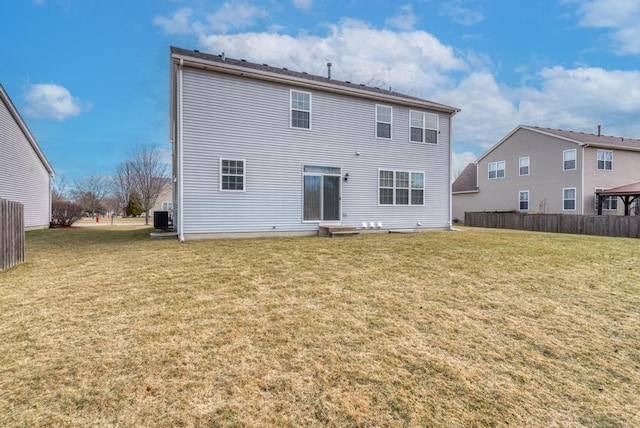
(569, 159)
(523, 196)
(232, 173)
(300, 109)
(167, 206)
(524, 166)
(423, 127)
(569, 199)
(383, 121)
(608, 202)
(496, 169)
(605, 159)
(400, 188)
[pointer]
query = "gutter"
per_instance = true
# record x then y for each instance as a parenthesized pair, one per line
(180, 152)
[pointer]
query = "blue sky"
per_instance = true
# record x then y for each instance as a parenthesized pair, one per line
(90, 77)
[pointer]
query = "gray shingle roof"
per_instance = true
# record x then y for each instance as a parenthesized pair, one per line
(467, 181)
(591, 139)
(195, 54)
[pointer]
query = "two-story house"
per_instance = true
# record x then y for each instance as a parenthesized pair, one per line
(262, 150)
(547, 170)
(25, 173)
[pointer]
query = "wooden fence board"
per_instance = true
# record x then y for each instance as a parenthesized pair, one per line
(12, 238)
(605, 225)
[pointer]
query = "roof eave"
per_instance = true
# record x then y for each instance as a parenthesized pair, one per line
(305, 83)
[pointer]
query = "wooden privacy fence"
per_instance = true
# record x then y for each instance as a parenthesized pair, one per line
(12, 248)
(600, 225)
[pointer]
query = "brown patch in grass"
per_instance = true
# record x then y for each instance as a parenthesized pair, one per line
(106, 327)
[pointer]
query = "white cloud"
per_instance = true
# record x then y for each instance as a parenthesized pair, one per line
(405, 19)
(232, 15)
(51, 101)
(620, 16)
(303, 4)
(359, 53)
(460, 13)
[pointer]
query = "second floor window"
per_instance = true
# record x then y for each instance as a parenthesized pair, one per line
(496, 170)
(605, 159)
(569, 159)
(423, 127)
(383, 121)
(524, 166)
(300, 109)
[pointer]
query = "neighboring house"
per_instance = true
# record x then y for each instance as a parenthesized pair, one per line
(260, 150)
(165, 200)
(546, 170)
(25, 173)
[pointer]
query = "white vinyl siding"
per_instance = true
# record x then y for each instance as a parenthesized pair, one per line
(423, 127)
(605, 160)
(569, 159)
(233, 117)
(523, 200)
(300, 109)
(496, 170)
(384, 119)
(569, 199)
(524, 165)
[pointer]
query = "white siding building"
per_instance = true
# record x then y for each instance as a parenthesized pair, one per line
(260, 150)
(25, 173)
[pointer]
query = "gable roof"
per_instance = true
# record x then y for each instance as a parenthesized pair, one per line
(25, 130)
(224, 64)
(467, 181)
(579, 138)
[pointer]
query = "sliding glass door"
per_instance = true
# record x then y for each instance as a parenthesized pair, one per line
(321, 193)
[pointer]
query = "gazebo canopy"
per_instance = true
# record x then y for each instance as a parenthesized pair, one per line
(628, 193)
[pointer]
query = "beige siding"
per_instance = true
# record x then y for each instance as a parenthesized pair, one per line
(545, 181)
(625, 170)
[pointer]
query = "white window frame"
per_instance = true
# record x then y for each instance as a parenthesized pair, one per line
(497, 169)
(167, 206)
(609, 203)
(575, 199)
(604, 160)
(292, 109)
(243, 175)
(390, 122)
(427, 125)
(565, 160)
(395, 187)
(528, 165)
(520, 200)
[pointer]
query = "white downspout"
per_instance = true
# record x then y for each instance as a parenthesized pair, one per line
(582, 181)
(180, 153)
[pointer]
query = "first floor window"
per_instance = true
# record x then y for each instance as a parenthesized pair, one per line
(423, 127)
(496, 169)
(605, 160)
(232, 174)
(167, 206)
(383, 121)
(569, 199)
(569, 159)
(400, 187)
(608, 202)
(524, 166)
(524, 200)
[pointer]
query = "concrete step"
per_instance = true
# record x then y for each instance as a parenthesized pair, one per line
(337, 230)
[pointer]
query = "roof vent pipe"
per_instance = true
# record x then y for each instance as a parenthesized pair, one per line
(599, 126)
(223, 57)
(329, 70)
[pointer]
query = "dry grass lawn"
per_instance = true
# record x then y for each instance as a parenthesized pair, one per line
(106, 327)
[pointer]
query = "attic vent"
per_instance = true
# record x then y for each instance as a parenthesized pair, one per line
(266, 65)
(285, 68)
(348, 81)
(243, 60)
(196, 50)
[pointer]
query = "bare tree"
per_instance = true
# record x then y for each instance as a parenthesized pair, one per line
(90, 191)
(59, 189)
(122, 184)
(150, 176)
